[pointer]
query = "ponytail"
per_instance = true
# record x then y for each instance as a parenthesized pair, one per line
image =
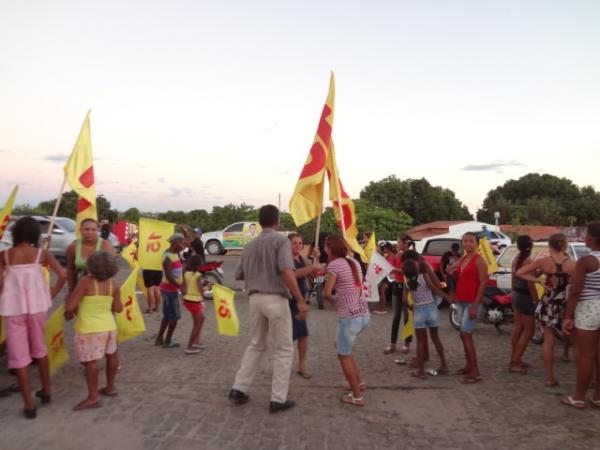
(411, 271)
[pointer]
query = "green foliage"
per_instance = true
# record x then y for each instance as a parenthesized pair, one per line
(536, 199)
(417, 198)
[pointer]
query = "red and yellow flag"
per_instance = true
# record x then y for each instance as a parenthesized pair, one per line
(307, 201)
(337, 194)
(79, 172)
(130, 322)
(228, 323)
(55, 340)
(7, 211)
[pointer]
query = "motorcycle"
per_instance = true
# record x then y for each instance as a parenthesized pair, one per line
(497, 308)
(212, 272)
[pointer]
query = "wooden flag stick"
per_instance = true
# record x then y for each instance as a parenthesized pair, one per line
(56, 206)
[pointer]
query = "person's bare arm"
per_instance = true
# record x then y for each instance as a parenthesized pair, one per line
(71, 266)
(329, 285)
(1, 270)
(75, 297)
(577, 281)
(289, 280)
(310, 268)
(435, 289)
(482, 274)
(432, 276)
(107, 246)
(527, 272)
(117, 305)
(55, 266)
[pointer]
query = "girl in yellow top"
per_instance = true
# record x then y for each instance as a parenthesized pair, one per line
(94, 300)
(192, 288)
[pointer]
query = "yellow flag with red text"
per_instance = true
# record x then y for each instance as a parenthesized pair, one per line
(7, 211)
(55, 340)
(130, 254)
(337, 194)
(228, 323)
(130, 322)
(79, 172)
(307, 201)
(154, 241)
(409, 327)
(488, 255)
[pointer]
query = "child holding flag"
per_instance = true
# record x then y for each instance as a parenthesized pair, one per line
(426, 314)
(192, 289)
(24, 300)
(95, 298)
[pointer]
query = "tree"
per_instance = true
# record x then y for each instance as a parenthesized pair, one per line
(545, 199)
(132, 215)
(417, 198)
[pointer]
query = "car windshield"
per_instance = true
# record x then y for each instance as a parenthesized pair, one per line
(439, 247)
(505, 260)
(580, 251)
(67, 224)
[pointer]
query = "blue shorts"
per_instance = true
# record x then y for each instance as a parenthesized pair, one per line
(347, 331)
(467, 325)
(426, 316)
(171, 310)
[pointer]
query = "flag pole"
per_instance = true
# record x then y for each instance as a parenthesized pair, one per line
(56, 206)
(318, 229)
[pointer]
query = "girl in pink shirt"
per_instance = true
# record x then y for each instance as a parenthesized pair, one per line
(24, 299)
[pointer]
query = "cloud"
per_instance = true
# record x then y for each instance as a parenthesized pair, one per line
(57, 157)
(496, 166)
(176, 192)
(162, 180)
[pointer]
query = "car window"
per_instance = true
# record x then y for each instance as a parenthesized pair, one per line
(44, 224)
(235, 228)
(439, 247)
(493, 235)
(67, 224)
(580, 251)
(505, 260)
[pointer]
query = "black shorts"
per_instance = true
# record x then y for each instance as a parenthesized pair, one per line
(152, 277)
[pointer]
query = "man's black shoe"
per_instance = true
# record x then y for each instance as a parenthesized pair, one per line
(238, 397)
(276, 407)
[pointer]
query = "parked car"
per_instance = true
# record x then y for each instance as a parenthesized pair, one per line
(233, 237)
(434, 248)
(495, 238)
(63, 234)
(503, 278)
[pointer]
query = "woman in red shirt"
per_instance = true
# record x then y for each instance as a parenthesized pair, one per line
(471, 274)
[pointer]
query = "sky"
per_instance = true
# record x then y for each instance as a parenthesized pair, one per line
(202, 103)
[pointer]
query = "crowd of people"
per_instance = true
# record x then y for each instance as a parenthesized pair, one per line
(277, 273)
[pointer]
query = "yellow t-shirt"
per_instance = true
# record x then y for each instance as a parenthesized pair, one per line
(192, 293)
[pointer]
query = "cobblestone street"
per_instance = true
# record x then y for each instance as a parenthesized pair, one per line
(168, 400)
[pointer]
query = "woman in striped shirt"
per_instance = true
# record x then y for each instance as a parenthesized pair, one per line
(583, 312)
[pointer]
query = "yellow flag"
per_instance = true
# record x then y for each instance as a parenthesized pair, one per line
(7, 211)
(2, 332)
(154, 241)
(130, 322)
(488, 255)
(79, 172)
(228, 323)
(307, 201)
(370, 247)
(409, 326)
(129, 254)
(55, 340)
(337, 194)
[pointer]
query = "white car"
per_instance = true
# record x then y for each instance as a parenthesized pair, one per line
(503, 278)
(233, 237)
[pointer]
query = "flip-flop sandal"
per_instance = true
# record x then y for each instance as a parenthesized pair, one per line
(594, 403)
(81, 406)
(517, 369)
(462, 371)
(418, 375)
(350, 399)
(388, 350)
(570, 401)
(105, 393)
(552, 385)
(405, 349)
(471, 380)
(171, 345)
(305, 375)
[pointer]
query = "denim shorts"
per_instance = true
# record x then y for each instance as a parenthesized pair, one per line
(347, 331)
(467, 325)
(171, 310)
(426, 316)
